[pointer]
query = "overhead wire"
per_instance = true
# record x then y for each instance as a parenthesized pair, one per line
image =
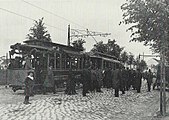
(61, 18)
(54, 14)
(29, 18)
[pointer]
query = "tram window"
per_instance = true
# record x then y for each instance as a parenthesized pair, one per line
(57, 61)
(51, 63)
(63, 63)
(75, 63)
(67, 63)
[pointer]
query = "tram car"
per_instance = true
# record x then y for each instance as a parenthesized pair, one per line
(38, 56)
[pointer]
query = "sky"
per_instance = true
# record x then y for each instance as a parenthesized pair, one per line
(95, 15)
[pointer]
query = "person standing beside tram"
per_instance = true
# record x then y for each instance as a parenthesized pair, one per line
(93, 83)
(99, 79)
(49, 81)
(122, 73)
(149, 79)
(86, 79)
(70, 85)
(28, 86)
(116, 81)
(138, 80)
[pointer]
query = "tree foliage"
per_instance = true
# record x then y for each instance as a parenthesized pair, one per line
(39, 32)
(142, 65)
(111, 48)
(130, 60)
(124, 57)
(149, 21)
(79, 44)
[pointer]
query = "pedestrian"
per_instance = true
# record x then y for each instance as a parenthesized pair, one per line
(99, 79)
(93, 83)
(70, 85)
(86, 79)
(107, 78)
(49, 81)
(149, 79)
(122, 74)
(116, 81)
(138, 80)
(127, 79)
(28, 86)
(133, 79)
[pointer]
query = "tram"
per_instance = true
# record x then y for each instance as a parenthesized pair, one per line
(38, 56)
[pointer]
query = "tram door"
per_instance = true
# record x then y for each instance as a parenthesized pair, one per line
(40, 65)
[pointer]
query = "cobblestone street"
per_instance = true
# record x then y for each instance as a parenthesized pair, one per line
(96, 106)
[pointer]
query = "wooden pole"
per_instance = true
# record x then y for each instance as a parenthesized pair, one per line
(68, 42)
(162, 86)
(6, 69)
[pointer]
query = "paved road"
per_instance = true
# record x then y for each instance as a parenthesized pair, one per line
(96, 106)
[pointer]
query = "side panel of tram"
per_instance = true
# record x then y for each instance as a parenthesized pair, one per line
(16, 78)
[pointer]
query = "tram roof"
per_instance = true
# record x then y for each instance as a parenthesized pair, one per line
(50, 44)
(53, 46)
(101, 55)
(107, 59)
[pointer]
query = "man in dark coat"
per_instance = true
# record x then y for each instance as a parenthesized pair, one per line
(93, 83)
(127, 79)
(70, 85)
(133, 79)
(28, 86)
(99, 79)
(122, 74)
(49, 81)
(149, 80)
(86, 79)
(138, 80)
(116, 81)
(107, 78)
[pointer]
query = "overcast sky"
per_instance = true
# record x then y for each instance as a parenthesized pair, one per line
(96, 15)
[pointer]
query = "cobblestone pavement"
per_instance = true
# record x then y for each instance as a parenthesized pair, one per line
(96, 106)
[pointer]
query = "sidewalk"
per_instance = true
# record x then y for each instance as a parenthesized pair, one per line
(157, 116)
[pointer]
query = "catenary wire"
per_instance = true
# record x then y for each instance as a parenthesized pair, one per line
(54, 14)
(28, 18)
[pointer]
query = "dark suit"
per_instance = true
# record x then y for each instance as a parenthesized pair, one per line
(86, 79)
(138, 81)
(28, 86)
(116, 81)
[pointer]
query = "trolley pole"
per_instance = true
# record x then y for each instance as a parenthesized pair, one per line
(68, 42)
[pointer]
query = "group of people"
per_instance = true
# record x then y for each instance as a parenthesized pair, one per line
(119, 79)
(93, 79)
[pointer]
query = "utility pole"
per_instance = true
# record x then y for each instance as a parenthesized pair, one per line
(68, 41)
(6, 75)
(162, 81)
(162, 86)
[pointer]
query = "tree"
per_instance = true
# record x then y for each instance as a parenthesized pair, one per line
(79, 44)
(124, 57)
(100, 47)
(130, 60)
(142, 65)
(149, 22)
(38, 32)
(110, 48)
